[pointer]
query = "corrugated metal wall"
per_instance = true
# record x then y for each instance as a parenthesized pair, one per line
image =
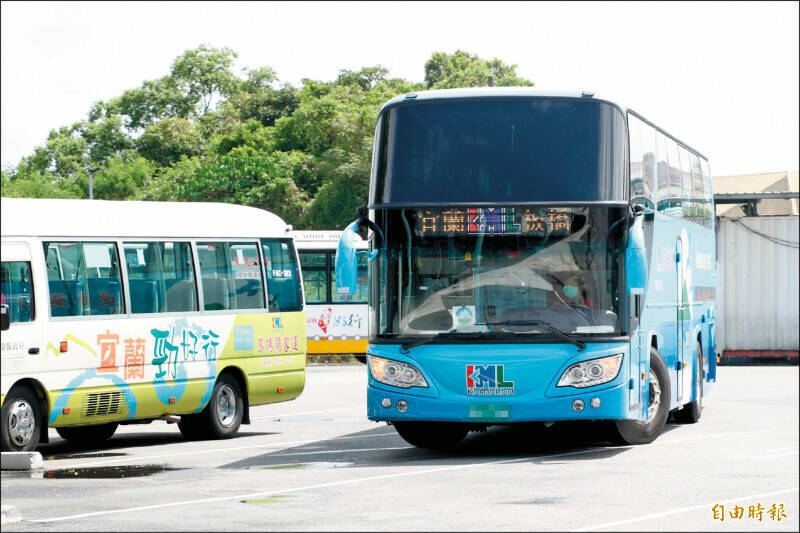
(757, 284)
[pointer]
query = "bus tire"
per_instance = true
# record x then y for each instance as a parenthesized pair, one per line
(690, 413)
(22, 420)
(87, 435)
(636, 432)
(223, 415)
(432, 435)
(361, 359)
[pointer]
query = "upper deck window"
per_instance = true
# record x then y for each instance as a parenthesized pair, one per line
(501, 150)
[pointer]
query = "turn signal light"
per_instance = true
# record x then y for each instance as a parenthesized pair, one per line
(63, 346)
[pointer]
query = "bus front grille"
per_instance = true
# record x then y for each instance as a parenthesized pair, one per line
(105, 403)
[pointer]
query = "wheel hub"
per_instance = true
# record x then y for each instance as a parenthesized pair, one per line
(21, 423)
(226, 406)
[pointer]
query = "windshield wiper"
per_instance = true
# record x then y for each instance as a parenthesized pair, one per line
(455, 334)
(579, 343)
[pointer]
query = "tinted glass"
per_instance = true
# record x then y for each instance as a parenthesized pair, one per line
(231, 277)
(675, 186)
(560, 265)
(501, 150)
(160, 277)
(708, 207)
(315, 276)
(16, 290)
(84, 278)
(643, 162)
(283, 275)
(662, 173)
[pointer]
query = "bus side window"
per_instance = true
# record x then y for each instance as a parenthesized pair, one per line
(697, 190)
(103, 281)
(643, 162)
(708, 211)
(160, 277)
(283, 275)
(662, 173)
(16, 290)
(315, 276)
(686, 182)
(675, 187)
(247, 278)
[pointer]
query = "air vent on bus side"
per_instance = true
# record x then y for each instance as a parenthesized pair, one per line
(106, 403)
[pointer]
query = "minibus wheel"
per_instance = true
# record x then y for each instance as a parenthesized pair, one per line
(432, 435)
(690, 413)
(86, 435)
(636, 432)
(222, 416)
(21, 420)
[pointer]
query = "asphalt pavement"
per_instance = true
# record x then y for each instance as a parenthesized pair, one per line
(316, 463)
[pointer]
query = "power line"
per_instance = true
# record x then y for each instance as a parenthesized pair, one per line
(776, 240)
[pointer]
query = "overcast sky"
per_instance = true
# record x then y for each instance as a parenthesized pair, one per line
(722, 77)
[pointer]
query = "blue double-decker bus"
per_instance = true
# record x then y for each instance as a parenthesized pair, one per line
(534, 257)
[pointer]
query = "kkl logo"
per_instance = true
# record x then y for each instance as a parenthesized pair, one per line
(488, 380)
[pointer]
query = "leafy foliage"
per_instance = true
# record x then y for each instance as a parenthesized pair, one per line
(205, 133)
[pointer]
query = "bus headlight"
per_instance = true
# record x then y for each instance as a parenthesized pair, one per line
(592, 372)
(395, 373)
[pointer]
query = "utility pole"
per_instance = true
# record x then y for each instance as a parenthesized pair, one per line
(91, 177)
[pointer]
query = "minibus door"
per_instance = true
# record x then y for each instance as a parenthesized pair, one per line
(22, 340)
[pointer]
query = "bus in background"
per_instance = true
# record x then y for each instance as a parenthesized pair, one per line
(542, 257)
(128, 312)
(335, 323)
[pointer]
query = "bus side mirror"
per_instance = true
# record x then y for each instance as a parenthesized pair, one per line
(5, 317)
(345, 269)
(636, 271)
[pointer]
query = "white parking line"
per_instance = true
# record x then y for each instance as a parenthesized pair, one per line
(413, 472)
(253, 495)
(706, 506)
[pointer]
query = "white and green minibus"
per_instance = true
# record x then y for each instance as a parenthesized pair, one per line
(128, 312)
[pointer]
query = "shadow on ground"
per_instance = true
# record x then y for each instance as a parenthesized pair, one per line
(382, 446)
(59, 448)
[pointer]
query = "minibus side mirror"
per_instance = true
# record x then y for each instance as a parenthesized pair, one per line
(5, 317)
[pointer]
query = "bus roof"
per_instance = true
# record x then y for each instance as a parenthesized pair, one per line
(105, 218)
(520, 92)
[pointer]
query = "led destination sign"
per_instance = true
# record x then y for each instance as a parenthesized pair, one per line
(493, 221)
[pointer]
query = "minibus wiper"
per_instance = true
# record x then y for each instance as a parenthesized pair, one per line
(580, 344)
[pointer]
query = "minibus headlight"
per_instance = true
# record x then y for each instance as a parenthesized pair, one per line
(395, 373)
(592, 372)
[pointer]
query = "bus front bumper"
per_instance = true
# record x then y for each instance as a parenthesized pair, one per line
(612, 404)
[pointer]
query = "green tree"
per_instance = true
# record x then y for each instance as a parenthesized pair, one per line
(263, 180)
(154, 100)
(462, 69)
(123, 178)
(165, 141)
(204, 73)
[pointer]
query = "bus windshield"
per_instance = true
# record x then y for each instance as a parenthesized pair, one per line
(501, 151)
(500, 270)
